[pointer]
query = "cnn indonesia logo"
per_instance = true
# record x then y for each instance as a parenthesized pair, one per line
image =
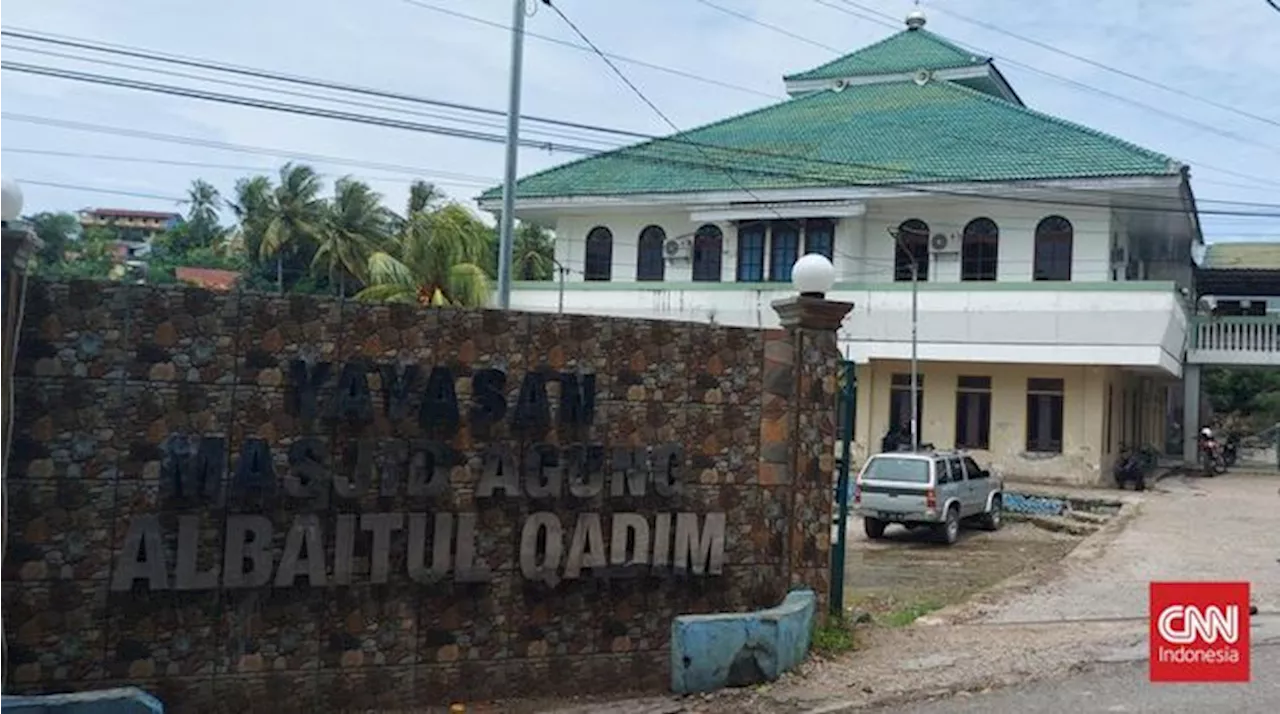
(1199, 632)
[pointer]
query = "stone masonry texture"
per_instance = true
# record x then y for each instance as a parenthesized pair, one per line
(107, 372)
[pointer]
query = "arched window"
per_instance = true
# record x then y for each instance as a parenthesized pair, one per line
(599, 259)
(708, 248)
(1053, 249)
(979, 248)
(911, 247)
(650, 265)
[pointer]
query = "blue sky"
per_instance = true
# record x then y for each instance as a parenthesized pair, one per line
(1222, 50)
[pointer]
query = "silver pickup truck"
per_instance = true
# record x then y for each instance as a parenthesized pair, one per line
(935, 489)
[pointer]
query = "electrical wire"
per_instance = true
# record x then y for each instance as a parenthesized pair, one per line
(95, 189)
(630, 153)
(1103, 66)
(218, 145)
(620, 58)
(274, 76)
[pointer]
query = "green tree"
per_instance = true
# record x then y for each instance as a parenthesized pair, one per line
(252, 209)
(203, 228)
(357, 224)
(423, 196)
(436, 259)
(58, 231)
(532, 254)
(296, 218)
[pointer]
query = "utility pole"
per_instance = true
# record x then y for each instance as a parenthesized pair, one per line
(915, 363)
(506, 238)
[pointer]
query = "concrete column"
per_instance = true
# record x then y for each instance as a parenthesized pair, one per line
(1190, 411)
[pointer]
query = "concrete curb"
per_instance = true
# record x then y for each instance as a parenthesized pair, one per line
(710, 652)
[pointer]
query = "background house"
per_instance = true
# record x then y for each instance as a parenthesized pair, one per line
(136, 228)
(1053, 263)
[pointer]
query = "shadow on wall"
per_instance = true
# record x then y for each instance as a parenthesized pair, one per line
(710, 652)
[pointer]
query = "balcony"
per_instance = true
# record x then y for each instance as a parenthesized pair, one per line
(1139, 324)
(1235, 340)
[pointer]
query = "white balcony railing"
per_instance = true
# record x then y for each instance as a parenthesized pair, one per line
(1235, 340)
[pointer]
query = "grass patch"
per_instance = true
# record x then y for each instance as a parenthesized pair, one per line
(833, 637)
(906, 615)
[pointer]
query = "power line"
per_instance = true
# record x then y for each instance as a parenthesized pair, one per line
(474, 181)
(1067, 80)
(309, 81)
(1108, 68)
(620, 58)
(631, 153)
(1274, 4)
(95, 189)
(281, 106)
(775, 28)
(221, 146)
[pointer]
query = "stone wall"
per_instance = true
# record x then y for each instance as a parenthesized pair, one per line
(108, 374)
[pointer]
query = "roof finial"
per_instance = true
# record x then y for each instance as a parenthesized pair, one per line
(915, 18)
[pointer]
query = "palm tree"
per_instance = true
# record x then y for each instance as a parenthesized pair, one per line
(203, 229)
(436, 259)
(356, 224)
(533, 255)
(252, 208)
(422, 196)
(297, 216)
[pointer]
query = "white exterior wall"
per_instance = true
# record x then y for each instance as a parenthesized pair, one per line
(864, 248)
(1092, 320)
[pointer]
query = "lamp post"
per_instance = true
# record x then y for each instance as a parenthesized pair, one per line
(813, 275)
(915, 322)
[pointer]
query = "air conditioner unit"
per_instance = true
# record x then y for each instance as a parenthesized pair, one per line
(943, 243)
(677, 248)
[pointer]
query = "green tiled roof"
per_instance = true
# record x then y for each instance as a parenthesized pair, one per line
(906, 51)
(868, 134)
(1242, 256)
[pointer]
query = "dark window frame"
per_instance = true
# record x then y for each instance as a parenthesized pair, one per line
(597, 260)
(973, 413)
(783, 254)
(820, 237)
(708, 253)
(972, 468)
(1045, 415)
(911, 244)
(751, 255)
(1054, 249)
(980, 250)
(651, 262)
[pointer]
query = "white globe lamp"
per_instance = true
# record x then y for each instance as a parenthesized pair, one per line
(813, 275)
(11, 203)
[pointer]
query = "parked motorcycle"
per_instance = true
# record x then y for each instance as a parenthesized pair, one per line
(1231, 450)
(1211, 457)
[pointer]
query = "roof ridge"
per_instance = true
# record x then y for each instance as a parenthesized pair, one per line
(1149, 153)
(854, 55)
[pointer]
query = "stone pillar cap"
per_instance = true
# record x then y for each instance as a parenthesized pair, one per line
(20, 245)
(811, 313)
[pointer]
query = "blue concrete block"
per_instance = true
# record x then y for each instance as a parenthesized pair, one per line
(1039, 505)
(709, 652)
(126, 700)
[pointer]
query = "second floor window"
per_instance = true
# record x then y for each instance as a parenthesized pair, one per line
(708, 248)
(979, 249)
(751, 252)
(784, 249)
(911, 247)
(598, 264)
(1054, 237)
(820, 238)
(650, 263)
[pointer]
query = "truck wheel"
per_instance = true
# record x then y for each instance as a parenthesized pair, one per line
(994, 518)
(948, 531)
(874, 528)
